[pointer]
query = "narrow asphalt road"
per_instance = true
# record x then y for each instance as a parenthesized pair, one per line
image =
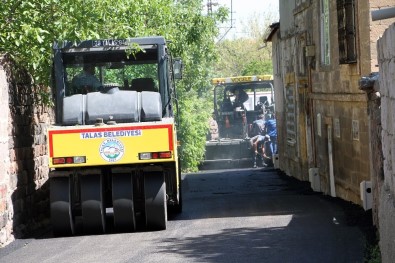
(240, 215)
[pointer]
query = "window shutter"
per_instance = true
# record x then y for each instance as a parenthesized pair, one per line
(346, 31)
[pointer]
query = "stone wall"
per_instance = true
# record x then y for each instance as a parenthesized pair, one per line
(350, 150)
(24, 198)
(386, 182)
(323, 121)
(375, 147)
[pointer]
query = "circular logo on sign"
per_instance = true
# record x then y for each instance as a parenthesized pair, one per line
(111, 150)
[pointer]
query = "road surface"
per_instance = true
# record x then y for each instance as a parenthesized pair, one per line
(244, 215)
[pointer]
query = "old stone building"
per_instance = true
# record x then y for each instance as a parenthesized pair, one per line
(321, 50)
(322, 114)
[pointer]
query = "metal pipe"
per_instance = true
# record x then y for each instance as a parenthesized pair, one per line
(381, 14)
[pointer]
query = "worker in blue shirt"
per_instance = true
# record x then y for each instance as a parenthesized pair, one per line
(271, 130)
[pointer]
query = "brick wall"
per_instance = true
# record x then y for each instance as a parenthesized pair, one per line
(24, 204)
(386, 183)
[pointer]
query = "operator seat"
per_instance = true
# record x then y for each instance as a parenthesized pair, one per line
(143, 84)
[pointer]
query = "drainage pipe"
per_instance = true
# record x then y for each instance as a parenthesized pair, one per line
(381, 14)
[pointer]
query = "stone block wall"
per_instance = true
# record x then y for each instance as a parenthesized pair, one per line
(350, 151)
(322, 103)
(386, 183)
(24, 196)
(5, 211)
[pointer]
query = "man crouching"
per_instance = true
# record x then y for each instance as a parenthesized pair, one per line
(262, 147)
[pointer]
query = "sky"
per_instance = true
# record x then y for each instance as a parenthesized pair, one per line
(242, 10)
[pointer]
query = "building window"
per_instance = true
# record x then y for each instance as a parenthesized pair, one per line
(325, 48)
(346, 31)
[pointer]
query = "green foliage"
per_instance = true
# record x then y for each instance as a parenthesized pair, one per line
(242, 57)
(29, 28)
(248, 55)
(257, 67)
(373, 254)
(193, 129)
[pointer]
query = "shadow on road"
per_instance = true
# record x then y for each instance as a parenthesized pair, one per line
(277, 244)
(320, 228)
